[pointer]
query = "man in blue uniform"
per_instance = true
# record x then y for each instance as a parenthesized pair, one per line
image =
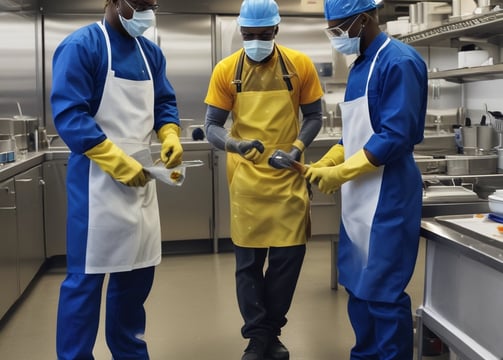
(109, 92)
(381, 189)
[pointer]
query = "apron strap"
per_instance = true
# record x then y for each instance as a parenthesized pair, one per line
(239, 70)
(107, 40)
(286, 75)
(374, 62)
(109, 49)
(237, 77)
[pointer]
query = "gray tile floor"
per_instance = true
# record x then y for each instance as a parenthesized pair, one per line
(192, 312)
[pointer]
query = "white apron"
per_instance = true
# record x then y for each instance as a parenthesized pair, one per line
(359, 197)
(124, 227)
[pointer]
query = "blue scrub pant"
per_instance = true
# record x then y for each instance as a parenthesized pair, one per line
(265, 298)
(79, 313)
(384, 331)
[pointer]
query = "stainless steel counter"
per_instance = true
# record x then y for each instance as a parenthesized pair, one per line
(32, 159)
(23, 163)
(462, 293)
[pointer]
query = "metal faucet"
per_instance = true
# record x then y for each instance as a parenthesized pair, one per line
(331, 123)
(438, 123)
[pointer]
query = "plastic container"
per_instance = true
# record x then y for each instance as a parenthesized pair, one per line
(496, 204)
(472, 58)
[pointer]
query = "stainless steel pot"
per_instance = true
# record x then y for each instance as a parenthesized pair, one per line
(486, 138)
(6, 126)
(25, 128)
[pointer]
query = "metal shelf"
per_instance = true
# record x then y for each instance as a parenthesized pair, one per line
(480, 26)
(472, 74)
(468, 176)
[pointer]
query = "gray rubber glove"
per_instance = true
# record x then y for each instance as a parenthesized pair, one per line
(283, 160)
(249, 149)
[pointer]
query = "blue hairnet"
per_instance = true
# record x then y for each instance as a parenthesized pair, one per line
(259, 13)
(341, 9)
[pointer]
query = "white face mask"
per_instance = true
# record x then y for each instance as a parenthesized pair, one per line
(341, 41)
(139, 23)
(346, 45)
(258, 50)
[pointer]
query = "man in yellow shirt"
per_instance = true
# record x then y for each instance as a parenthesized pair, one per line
(265, 86)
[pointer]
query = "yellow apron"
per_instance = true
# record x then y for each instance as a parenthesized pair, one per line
(269, 207)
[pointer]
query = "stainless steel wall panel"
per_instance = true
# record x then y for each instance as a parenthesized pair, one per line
(18, 63)
(56, 28)
(18, 5)
(186, 41)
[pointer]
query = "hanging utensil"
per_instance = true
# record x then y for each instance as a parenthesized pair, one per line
(483, 120)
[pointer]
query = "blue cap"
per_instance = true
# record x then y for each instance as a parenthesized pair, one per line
(341, 9)
(259, 13)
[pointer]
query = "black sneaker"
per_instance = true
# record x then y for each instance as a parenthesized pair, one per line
(254, 350)
(276, 351)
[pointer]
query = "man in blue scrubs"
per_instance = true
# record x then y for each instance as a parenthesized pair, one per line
(381, 189)
(109, 93)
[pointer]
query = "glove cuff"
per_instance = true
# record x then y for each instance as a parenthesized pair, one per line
(114, 161)
(168, 129)
(230, 145)
(335, 155)
(358, 164)
(299, 145)
(104, 147)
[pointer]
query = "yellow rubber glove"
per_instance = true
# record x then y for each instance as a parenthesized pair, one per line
(334, 156)
(116, 163)
(331, 178)
(171, 149)
(251, 150)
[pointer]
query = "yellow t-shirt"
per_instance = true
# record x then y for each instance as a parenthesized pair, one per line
(305, 82)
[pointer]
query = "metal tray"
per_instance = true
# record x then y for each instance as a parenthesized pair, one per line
(481, 229)
(435, 194)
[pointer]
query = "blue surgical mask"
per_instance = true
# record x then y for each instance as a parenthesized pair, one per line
(258, 50)
(139, 23)
(346, 45)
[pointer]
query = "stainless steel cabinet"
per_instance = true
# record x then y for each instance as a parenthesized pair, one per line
(222, 206)
(325, 209)
(30, 225)
(9, 286)
(22, 250)
(55, 206)
(187, 211)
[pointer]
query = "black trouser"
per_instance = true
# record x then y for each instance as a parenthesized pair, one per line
(264, 299)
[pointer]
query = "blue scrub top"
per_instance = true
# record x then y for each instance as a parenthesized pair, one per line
(79, 72)
(80, 66)
(397, 98)
(397, 94)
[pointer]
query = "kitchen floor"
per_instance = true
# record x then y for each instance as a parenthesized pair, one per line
(192, 312)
